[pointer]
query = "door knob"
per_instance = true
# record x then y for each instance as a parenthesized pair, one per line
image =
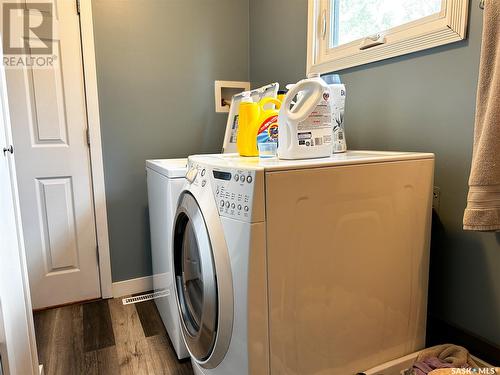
(8, 149)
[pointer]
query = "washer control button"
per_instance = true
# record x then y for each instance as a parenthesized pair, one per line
(239, 207)
(203, 183)
(233, 206)
(246, 208)
(242, 178)
(222, 202)
(191, 174)
(203, 172)
(249, 179)
(236, 177)
(228, 204)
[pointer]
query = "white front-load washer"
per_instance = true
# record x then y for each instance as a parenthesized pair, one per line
(165, 179)
(303, 267)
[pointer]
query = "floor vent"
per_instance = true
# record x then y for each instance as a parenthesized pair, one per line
(145, 297)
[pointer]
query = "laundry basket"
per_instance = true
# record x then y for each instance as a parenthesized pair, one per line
(398, 366)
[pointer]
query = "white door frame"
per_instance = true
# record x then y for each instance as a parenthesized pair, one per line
(96, 159)
(30, 355)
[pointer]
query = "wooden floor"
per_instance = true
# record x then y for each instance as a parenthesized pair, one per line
(105, 337)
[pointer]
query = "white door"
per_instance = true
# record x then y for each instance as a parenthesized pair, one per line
(49, 129)
(17, 337)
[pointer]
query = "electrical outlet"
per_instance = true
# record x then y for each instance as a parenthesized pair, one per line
(436, 198)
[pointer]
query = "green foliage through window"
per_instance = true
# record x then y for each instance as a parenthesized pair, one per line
(356, 19)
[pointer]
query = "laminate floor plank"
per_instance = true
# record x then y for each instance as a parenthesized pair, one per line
(150, 318)
(131, 345)
(102, 362)
(97, 326)
(60, 344)
(44, 323)
(164, 359)
(105, 338)
(90, 364)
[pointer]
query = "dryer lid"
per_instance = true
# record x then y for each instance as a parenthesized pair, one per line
(171, 168)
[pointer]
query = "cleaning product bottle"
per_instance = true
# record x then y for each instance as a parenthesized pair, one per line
(281, 95)
(338, 93)
(257, 124)
(247, 118)
(268, 121)
(305, 130)
(337, 100)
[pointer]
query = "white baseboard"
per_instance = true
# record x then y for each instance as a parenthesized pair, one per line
(132, 286)
(40, 370)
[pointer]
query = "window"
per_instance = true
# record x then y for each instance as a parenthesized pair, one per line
(346, 33)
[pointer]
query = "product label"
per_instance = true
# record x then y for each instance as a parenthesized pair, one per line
(316, 130)
(338, 94)
(268, 131)
(234, 129)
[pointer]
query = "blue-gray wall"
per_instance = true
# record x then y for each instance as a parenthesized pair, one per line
(420, 102)
(156, 64)
(278, 41)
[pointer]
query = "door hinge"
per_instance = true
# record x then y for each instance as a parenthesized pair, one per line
(77, 6)
(87, 136)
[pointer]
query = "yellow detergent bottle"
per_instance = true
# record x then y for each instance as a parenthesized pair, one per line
(247, 116)
(256, 125)
(281, 95)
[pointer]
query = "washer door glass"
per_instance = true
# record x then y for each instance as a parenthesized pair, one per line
(192, 279)
(195, 278)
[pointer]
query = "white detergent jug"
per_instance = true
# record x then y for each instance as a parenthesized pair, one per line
(305, 129)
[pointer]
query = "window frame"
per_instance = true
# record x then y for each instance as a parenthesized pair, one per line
(448, 26)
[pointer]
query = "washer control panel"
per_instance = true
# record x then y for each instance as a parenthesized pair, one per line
(233, 191)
